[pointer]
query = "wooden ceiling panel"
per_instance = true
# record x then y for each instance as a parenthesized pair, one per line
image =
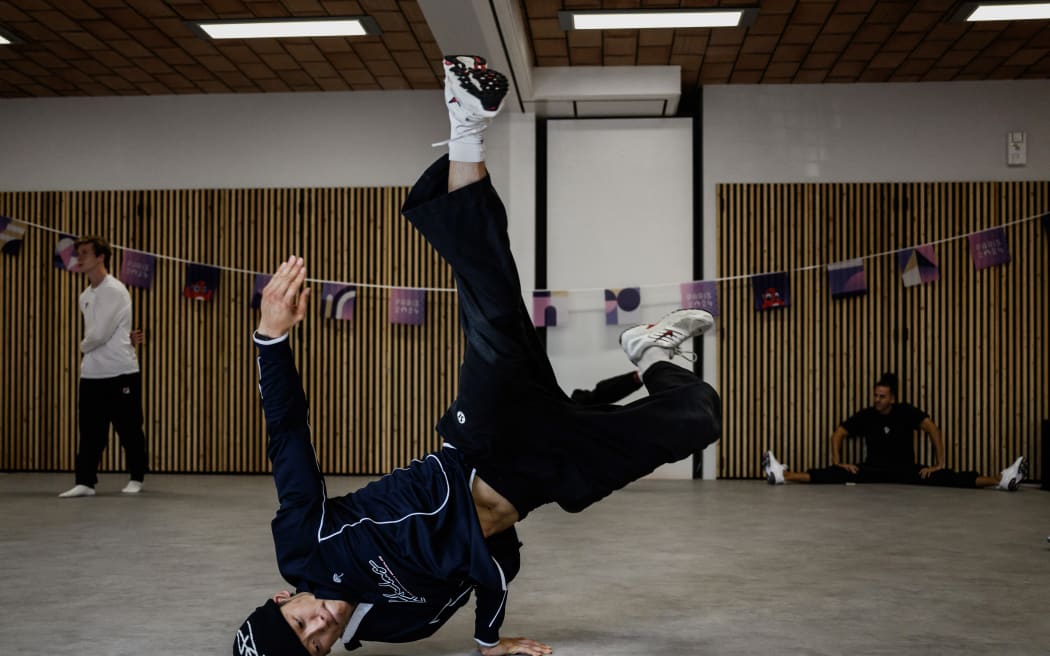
(782, 70)
(655, 38)
(790, 52)
(653, 55)
(745, 77)
(813, 41)
(800, 34)
(831, 43)
(1029, 57)
(768, 24)
(843, 23)
(711, 73)
(620, 46)
(552, 47)
(586, 57)
(145, 47)
(137, 47)
(752, 62)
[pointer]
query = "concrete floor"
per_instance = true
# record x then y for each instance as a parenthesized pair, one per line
(663, 567)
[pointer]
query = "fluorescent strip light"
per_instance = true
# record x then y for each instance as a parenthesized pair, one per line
(6, 38)
(1025, 11)
(642, 20)
(269, 29)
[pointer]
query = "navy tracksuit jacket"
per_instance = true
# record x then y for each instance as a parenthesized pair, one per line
(407, 548)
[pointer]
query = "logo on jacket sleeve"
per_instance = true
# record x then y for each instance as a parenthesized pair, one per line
(388, 580)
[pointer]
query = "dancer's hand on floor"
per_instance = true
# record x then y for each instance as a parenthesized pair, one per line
(284, 299)
(517, 646)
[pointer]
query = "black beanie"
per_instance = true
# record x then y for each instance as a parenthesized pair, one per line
(267, 633)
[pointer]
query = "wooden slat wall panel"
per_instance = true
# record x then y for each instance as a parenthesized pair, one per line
(971, 349)
(375, 390)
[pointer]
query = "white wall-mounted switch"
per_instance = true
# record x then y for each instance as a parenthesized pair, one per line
(1016, 149)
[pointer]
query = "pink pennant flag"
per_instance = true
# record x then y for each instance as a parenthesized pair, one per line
(407, 306)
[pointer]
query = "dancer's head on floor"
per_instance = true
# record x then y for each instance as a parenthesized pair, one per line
(293, 625)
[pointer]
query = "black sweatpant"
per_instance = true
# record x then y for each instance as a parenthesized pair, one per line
(903, 474)
(608, 390)
(103, 401)
(526, 438)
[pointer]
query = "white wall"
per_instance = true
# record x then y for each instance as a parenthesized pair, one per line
(945, 131)
(619, 214)
(221, 141)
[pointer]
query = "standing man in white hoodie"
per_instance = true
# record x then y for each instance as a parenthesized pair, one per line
(110, 381)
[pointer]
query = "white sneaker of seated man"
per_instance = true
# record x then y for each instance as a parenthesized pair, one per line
(133, 487)
(1011, 477)
(78, 491)
(772, 468)
(647, 344)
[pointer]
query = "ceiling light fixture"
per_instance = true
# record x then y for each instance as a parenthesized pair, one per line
(6, 38)
(289, 28)
(599, 19)
(1002, 11)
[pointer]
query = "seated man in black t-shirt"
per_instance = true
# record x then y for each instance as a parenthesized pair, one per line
(887, 428)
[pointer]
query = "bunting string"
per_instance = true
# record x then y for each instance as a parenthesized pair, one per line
(743, 276)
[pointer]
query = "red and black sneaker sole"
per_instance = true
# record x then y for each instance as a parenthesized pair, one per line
(489, 87)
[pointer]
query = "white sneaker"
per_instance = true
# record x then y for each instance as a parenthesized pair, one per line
(667, 333)
(474, 94)
(472, 90)
(133, 487)
(773, 470)
(78, 491)
(1012, 476)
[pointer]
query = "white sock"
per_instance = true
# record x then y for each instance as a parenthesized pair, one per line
(651, 356)
(467, 140)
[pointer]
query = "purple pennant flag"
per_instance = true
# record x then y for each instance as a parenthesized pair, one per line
(66, 252)
(549, 308)
(136, 269)
(407, 306)
(11, 234)
(621, 305)
(918, 265)
(260, 282)
(772, 291)
(700, 295)
(989, 248)
(202, 281)
(847, 279)
(337, 301)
